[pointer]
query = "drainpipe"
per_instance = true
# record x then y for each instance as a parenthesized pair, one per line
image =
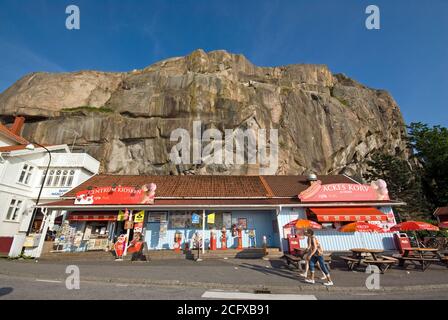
(278, 211)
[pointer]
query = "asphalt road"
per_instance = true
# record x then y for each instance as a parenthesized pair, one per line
(28, 288)
(236, 273)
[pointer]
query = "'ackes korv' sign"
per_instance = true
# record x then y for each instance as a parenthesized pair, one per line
(318, 192)
(117, 195)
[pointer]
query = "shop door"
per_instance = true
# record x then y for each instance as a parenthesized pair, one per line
(152, 236)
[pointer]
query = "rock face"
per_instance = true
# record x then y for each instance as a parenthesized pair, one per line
(326, 123)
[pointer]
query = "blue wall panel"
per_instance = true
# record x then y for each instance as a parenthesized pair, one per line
(333, 240)
(261, 221)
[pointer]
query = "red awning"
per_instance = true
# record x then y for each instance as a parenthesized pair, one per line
(100, 216)
(348, 214)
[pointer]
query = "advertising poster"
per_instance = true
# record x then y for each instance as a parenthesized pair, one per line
(227, 220)
(180, 219)
(242, 222)
(195, 219)
(139, 217)
(120, 216)
(163, 230)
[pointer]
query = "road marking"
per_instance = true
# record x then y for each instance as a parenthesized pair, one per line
(254, 296)
(51, 281)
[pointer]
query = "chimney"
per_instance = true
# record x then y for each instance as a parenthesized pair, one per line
(16, 127)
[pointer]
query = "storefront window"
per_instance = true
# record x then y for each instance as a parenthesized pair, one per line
(83, 235)
(180, 219)
(220, 218)
(157, 217)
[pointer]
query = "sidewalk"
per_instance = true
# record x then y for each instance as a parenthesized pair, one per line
(235, 274)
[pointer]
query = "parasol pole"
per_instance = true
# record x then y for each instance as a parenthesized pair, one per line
(416, 239)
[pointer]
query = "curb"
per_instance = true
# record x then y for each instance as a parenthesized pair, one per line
(237, 287)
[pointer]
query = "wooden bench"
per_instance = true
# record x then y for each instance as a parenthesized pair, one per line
(351, 262)
(299, 262)
(383, 263)
(425, 262)
(444, 260)
(294, 260)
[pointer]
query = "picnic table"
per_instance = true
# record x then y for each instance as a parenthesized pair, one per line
(297, 260)
(369, 257)
(424, 256)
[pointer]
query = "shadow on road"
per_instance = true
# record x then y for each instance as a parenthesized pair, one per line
(278, 268)
(281, 269)
(5, 291)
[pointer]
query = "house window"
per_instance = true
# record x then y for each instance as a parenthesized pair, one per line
(25, 175)
(43, 177)
(59, 178)
(14, 210)
(64, 178)
(70, 178)
(50, 178)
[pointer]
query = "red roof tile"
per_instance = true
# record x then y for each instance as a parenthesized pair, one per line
(185, 186)
(291, 186)
(221, 202)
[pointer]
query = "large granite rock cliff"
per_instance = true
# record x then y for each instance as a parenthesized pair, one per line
(326, 123)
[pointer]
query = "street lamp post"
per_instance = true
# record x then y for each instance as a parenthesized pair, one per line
(32, 147)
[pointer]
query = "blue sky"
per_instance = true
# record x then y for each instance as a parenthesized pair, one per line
(408, 56)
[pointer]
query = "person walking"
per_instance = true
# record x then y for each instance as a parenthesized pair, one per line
(316, 255)
(307, 257)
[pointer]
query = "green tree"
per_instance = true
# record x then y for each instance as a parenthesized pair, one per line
(403, 182)
(430, 146)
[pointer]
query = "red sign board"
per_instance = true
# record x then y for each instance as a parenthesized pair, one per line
(318, 192)
(92, 217)
(117, 195)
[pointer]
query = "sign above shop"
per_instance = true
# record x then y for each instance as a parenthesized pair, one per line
(117, 195)
(318, 192)
(128, 225)
(90, 217)
(195, 218)
(139, 217)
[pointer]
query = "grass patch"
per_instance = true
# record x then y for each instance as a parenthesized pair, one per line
(344, 102)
